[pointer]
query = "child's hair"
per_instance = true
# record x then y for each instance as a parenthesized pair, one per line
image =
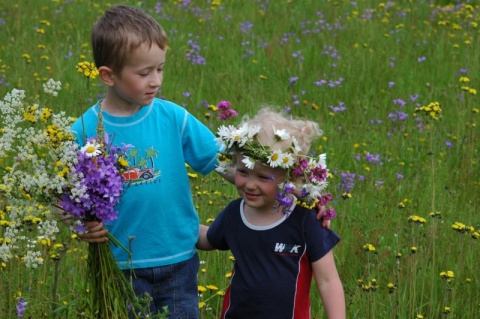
(304, 131)
(119, 31)
(274, 140)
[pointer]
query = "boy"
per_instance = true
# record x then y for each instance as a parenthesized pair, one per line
(277, 244)
(157, 219)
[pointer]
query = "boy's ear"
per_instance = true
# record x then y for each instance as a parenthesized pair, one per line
(106, 75)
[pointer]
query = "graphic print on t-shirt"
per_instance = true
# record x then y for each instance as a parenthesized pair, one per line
(141, 167)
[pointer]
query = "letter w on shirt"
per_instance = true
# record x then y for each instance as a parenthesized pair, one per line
(279, 248)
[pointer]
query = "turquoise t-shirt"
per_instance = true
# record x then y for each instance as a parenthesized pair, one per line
(157, 219)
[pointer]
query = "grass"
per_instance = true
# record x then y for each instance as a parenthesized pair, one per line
(358, 68)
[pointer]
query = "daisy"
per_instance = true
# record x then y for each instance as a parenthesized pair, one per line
(249, 162)
(91, 149)
(287, 160)
(275, 158)
(280, 134)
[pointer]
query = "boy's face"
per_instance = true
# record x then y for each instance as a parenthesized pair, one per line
(258, 186)
(140, 79)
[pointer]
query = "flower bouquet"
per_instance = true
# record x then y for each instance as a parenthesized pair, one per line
(45, 176)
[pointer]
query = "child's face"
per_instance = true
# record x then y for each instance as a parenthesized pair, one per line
(141, 77)
(259, 186)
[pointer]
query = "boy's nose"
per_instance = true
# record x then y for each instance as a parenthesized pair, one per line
(156, 80)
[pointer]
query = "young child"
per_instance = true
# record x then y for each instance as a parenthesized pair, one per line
(157, 220)
(277, 243)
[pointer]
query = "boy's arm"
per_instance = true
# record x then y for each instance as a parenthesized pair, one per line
(329, 286)
(202, 242)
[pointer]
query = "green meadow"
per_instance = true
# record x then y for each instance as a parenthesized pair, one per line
(393, 86)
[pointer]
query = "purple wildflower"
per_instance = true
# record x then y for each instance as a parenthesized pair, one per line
(329, 213)
(223, 105)
(347, 181)
(246, 26)
(21, 305)
(227, 114)
(325, 199)
(292, 80)
(399, 176)
(95, 195)
(448, 144)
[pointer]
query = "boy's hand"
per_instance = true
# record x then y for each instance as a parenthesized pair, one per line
(95, 233)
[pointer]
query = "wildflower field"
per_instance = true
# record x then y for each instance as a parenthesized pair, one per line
(393, 85)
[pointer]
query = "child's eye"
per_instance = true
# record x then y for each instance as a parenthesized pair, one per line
(241, 171)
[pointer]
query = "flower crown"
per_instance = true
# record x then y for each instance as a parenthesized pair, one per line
(306, 177)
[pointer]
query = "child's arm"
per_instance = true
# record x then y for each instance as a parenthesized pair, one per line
(329, 286)
(202, 242)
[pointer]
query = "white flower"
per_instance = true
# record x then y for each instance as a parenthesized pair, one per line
(275, 159)
(222, 167)
(322, 160)
(52, 87)
(252, 130)
(224, 132)
(91, 149)
(296, 147)
(281, 134)
(287, 160)
(249, 162)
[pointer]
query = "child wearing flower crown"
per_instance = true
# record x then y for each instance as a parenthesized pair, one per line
(278, 243)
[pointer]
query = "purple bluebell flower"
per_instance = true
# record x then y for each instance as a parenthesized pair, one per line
(95, 195)
(347, 181)
(21, 306)
(246, 26)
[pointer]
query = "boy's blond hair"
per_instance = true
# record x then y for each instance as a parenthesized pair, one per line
(121, 30)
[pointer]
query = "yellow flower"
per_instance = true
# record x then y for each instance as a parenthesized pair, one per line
(88, 69)
(123, 162)
(369, 247)
(212, 287)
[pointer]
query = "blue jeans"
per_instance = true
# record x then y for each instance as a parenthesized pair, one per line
(174, 286)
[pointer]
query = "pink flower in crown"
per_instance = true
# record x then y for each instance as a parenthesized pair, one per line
(223, 105)
(227, 114)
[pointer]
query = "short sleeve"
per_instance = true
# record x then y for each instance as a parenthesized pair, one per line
(319, 239)
(216, 232)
